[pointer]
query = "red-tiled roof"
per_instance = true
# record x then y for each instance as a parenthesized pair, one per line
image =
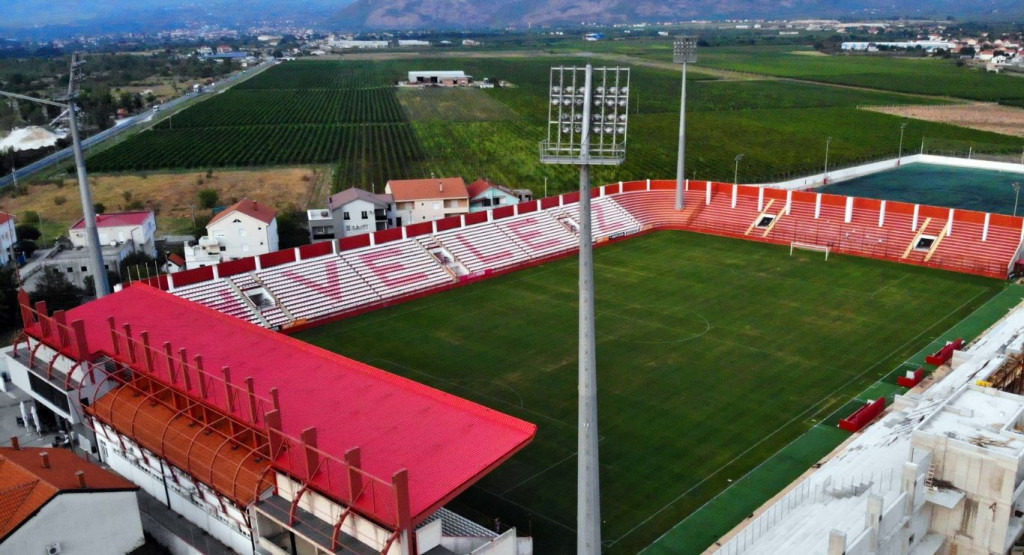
(116, 219)
(479, 186)
(250, 208)
(446, 443)
(416, 189)
(25, 485)
(176, 259)
(5, 217)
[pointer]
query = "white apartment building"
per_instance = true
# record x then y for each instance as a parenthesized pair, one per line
(351, 212)
(138, 228)
(7, 238)
(424, 200)
(246, 228)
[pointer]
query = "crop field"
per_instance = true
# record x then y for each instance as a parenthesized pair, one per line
(348, 114)
(699, 379)
(933, 76)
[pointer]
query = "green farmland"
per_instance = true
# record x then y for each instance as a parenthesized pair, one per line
(348, 114)
(713, 354)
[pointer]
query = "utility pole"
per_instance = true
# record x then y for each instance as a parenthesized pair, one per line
(736, 170)
(828, 142)
(1016, 191)
(684, 52)
(573, 112)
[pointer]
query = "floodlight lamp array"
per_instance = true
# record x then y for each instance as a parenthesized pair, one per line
(684, 50)
(598, 117)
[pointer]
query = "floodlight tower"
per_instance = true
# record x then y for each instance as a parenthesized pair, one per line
(684, 51)
(577, 111)
(88, 211)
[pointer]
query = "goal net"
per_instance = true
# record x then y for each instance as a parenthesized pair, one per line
(808, 247)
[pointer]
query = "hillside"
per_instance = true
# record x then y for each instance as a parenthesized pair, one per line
(421, 14)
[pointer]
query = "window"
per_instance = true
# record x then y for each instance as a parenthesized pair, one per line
(222, 249)
(345, 216)
(47, 391)
(85, 268)
(437, 206)
(364, 214)
(242, 232)
(70, 269)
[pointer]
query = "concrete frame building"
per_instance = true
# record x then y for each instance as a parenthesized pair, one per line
(942, 472)
(260, 457)
(424, 200)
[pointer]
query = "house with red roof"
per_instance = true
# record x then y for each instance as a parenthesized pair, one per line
(7, 237)
(424, 200)
(246, 228)
(52, 501)
(137, 229)
(485, 195)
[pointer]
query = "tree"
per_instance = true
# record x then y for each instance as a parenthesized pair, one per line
(99, 207)
(26, 231)
(56, 290)
(30, 217)
(10, 316)
(290, 230)
(208, 198)
(141, 264)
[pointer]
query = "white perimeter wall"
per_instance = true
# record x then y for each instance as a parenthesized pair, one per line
(83, 524)
(845, 174)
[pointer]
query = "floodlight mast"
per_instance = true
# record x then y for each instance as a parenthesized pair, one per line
(609, 122)
(99, 273)
(684, 52)
(95, 257)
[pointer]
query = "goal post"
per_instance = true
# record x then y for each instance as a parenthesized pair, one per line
(808, 247)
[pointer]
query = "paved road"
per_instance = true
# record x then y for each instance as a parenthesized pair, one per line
(129, 123)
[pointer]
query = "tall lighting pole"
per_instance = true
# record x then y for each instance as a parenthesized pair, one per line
(92, 237)
(587, 120)
(684, 52)
(736, 170)
(899, 157)
(828, 142)
(1016, 191)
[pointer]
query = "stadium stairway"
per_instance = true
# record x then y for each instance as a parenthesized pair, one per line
(538, 234)
(608, 218)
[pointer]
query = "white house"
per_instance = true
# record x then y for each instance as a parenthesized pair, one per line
(56, 502)
(246, 228)
(138, 228)
(7, 238)
(484, 195)
(351, 212)
(424, 200)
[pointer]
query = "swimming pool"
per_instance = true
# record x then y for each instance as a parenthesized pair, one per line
(965, 188)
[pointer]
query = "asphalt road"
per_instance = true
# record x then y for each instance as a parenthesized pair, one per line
(130, 123)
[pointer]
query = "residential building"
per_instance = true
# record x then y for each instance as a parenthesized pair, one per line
(351, 212)
(135, 228)
(7, 238)
(484, 195)
(440, 78)
(55, 502)
(421, 200)
(246, 228)
(74, 262)
(224, 49)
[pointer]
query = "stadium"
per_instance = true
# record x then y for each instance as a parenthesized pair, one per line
(728, 332)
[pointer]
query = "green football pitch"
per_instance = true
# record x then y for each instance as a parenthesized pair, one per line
(713, 354)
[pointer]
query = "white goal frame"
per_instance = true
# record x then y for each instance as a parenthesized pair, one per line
(809, 247)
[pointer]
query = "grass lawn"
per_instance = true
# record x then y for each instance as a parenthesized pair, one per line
(713, 354)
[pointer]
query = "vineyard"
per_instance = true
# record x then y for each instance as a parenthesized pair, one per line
(349, 114)
(295, 113)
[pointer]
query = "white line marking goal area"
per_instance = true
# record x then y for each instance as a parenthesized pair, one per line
(808, 247)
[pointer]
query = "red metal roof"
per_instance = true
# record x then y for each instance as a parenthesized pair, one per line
(25, 485)
(417, 189)
(446, 443)
(250, 208)
(116, 219)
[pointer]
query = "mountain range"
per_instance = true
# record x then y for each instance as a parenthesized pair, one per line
(426, 14)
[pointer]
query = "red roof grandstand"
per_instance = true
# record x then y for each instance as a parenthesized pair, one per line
(446, 443)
